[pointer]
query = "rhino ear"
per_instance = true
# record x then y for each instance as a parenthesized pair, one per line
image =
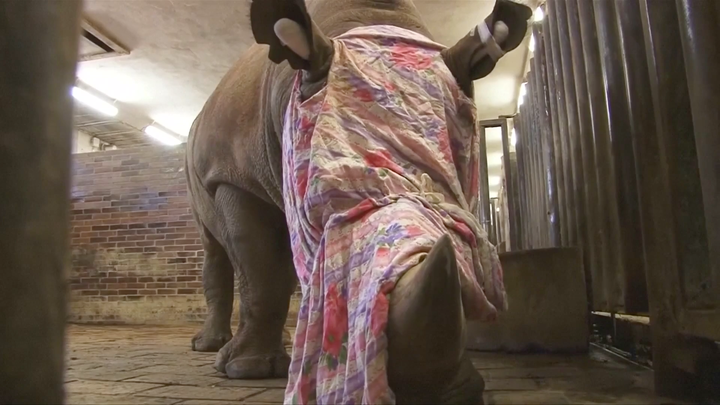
(286, 26)
(476, 54)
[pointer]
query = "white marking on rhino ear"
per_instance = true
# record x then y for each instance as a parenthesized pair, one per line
(292, 35)
(500, 32)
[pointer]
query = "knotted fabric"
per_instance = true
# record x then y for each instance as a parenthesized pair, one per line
(377, 167)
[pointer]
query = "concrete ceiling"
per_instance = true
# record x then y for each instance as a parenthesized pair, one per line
(180, 49)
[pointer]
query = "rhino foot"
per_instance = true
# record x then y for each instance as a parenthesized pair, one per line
(209, 340)
(235, 364)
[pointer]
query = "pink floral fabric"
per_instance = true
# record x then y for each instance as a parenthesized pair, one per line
(377, 167)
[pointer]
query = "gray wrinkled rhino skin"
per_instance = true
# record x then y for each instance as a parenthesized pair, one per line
(235, 182)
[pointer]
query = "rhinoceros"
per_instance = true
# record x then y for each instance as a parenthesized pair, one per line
(234, 166)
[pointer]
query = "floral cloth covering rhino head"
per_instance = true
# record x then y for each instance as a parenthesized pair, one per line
(377, 167)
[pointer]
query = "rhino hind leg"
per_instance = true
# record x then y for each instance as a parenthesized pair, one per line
(217, 277)
(256, 239)
(427, 362)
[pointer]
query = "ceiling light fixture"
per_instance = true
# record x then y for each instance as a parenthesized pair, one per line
(161, 136)
(538, 15)
(94, 102)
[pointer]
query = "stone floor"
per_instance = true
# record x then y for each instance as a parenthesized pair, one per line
(154, 365)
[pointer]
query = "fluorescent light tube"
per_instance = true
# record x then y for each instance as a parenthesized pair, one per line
(161, 136)
(94, 102)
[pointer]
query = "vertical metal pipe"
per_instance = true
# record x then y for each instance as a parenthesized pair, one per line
(510, 169)
(484, 189)
(699, 21)
(520, 148)
(592, 256)
(624, 208)
(534, 129)
(561, 96)
(531, 157)
(549, 175)
(641, 124)
(531, 160)
(554, 144)
(38, 50)
(672, 208)
(532, 202)
(603, 162)
(573, 136)
(492, 229)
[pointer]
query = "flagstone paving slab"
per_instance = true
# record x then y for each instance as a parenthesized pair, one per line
(154, 365)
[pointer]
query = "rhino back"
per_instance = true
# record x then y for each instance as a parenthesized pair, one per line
(236, 137)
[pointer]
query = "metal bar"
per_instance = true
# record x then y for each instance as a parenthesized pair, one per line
(560, 95)
(483, 209)
(522, 194)
(548, 153)
(536, 172)
(640, 123)
(611, 292)
(554, 146)
(510, 168)
(541, 193)
(573, 135)
(592, 256)
(531, 199)
(625, 208)
(669, 184)
(699, 21)
(492, 231)
(36, 76)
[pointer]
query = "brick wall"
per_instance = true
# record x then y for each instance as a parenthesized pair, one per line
(136, 252)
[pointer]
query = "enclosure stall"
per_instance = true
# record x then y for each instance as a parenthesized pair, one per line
(617, 144)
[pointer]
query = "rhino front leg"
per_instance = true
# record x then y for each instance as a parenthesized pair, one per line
(218, 287)
(256, 238)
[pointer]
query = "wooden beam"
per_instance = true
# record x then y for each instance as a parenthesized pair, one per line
(39, 50)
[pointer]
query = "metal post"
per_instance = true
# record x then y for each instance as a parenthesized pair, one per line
(535, 130)
(699, 21)
(510, 168)
(591, 257)
(625, 205)
(484, 189)
(523, 200)
(671, 193)
(608, 239)
(579, 214)
(549, 174)
(560, 95)
(38, 50)
(554, 149)
(641, 124)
